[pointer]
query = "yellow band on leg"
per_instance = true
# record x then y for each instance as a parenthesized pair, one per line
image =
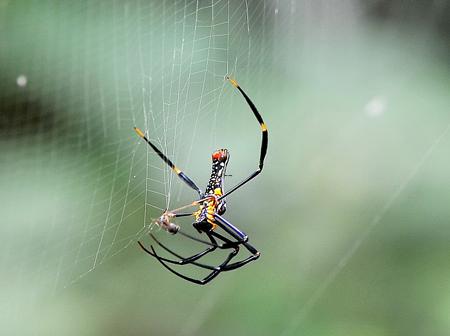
(233, 82)
(139, 132)
(263, 127)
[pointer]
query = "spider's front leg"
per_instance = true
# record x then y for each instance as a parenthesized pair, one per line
(186, 179)
(264, 140)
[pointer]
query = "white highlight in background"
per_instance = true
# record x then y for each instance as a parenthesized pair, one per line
(22, 81)
(375, 107)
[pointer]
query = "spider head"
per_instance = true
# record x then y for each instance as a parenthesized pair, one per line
(220, 155)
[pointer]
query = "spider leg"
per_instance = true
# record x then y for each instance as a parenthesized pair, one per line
(182, 261)
(264, 141)
(243, 262)
(254, 252)
(184, 214)
(195, 238)
(191, 260)
(213, 242)
(177, 171)
(206, 279)
(227, 242)
(232, 230)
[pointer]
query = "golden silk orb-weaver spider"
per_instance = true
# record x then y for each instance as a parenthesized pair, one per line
(209, 216)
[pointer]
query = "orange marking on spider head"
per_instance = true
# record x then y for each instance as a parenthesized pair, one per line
(139, 132)
(220, 155)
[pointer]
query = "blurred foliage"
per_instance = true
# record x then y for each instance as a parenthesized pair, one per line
(351, 212)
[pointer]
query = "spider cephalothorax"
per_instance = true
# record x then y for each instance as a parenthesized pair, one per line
(211, 206)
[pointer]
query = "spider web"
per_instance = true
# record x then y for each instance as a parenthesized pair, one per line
(79, 187)
(86, 73)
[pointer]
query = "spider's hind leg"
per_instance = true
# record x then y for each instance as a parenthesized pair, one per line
(206, 279)
(182, 260)
(242, 239)
(192, 259)
(255, 255)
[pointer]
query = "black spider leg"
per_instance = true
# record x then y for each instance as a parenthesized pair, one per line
(224, 266)
(206, 279)
(264, 141)
(241, 239)
(222, 222)
(177, 171)
(183, 260)
(191, 260)
(184, 214)
(196, 239)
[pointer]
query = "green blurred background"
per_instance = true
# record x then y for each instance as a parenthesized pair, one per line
(351, 213)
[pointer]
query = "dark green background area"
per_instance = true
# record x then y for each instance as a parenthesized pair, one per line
(350, 213)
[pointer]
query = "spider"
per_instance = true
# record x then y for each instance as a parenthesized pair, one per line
(209, 216)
